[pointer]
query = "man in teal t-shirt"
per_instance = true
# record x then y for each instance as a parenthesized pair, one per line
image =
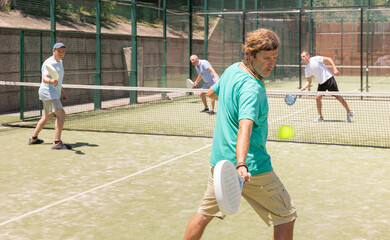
(240, 136)
(241, 96)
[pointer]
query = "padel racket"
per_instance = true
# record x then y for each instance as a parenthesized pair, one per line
(190, 83)
(52, 71)
(290, 99)
(227, 186)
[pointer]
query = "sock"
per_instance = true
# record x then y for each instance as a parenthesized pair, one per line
(34, 138)
(57, 142)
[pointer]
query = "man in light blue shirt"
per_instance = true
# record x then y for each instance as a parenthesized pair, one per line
(207, 73)
(50, 93)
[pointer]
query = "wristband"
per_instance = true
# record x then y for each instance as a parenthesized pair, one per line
(242, 164)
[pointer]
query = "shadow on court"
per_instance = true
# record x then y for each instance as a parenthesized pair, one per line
(81, 144)
(77, 145)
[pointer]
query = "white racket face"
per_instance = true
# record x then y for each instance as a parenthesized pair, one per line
(227, 186)
(53, 73)
(190, 84)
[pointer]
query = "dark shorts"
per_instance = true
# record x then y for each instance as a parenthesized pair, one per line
(329, 85)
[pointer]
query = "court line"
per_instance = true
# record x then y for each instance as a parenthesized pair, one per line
(98, 187)
(304, 109)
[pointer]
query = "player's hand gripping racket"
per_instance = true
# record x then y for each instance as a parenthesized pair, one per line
(227, 186)
(290, 99)
(52, 71)
(190, 84)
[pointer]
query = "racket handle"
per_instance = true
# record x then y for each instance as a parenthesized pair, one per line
(242, 179)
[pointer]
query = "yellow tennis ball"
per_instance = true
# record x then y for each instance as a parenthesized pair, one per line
(286, 132)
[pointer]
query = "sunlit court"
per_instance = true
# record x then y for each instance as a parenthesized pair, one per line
(126, 151)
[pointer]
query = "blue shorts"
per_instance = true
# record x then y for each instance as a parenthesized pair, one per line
(207, 85)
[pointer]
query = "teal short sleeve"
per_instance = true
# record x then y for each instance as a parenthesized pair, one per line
(216, 87)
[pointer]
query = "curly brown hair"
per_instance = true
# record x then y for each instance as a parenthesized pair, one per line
(261, 39)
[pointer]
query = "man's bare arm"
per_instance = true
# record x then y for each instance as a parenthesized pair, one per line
(243, 139)
(307, 84)
(216, 77)
(330, 61)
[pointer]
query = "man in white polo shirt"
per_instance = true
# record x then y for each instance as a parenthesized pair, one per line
(50, 93)
(315, 67)
(207, 73)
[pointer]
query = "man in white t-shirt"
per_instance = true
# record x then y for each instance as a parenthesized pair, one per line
(207, 73)
(315, 67)
(50, 93)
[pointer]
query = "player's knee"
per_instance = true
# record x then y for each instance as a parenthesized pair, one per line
(61, 114)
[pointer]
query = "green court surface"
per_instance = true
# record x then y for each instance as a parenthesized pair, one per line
(181, 117)
(133, 186)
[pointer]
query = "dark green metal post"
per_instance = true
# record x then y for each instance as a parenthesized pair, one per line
(282, 54)
(237, 37)
(367, 44)
(41, 62)
(300, 48)
(206, 29)
(21, 44)
(361, 50)
(133, 71)
(342, 46)
(272, 76)
(164, 69)
(97, 76)
(243, 22)
(310, 29)
(257, 15)
(52, 23)
(190, 10)
(290, 49)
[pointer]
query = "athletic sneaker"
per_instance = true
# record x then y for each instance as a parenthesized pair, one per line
(60, 146)
(319, 119)
(211, 112)
(206, 110)
(350, 116)
(34, 141)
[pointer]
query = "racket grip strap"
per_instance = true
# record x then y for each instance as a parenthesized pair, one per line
(242, 164)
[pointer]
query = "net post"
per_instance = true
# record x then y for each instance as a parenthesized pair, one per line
(96, 92)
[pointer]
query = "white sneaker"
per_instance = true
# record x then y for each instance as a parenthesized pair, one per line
(350, 116)
(319, 119)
